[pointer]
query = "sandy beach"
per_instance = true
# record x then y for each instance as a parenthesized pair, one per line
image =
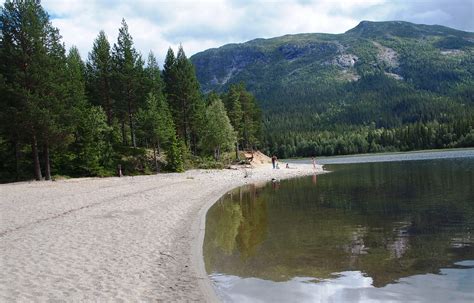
(114, 239)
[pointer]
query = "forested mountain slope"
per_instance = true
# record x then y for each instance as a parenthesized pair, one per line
(380, 86)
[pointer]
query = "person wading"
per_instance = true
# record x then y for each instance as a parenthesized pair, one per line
(274, 160)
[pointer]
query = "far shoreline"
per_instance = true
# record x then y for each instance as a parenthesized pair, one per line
(301, 160)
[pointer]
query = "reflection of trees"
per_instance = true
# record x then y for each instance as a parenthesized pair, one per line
(222, 224)
(228, 222)
(380, 219)
(253, 226)
(239, 221)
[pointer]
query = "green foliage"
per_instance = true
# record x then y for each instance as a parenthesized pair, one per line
(153, 81)
(92, 151)
(182, 91)
(175, 155)
(244, 115)
(218, 135)
(99, 75)
(155, 124)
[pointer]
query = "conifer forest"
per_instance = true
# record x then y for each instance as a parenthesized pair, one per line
(61, 116)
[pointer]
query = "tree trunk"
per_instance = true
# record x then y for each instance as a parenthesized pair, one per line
(193, 143)
(109, 104)
(158, 147)
(47, 167)
(157, 167)
(124, 135)
(217, 153)
(132, 129)
(185, 123)
(106, 101)
(109, 113)
(130, 116)
(17, 160)
(34, 149)
(237, 150)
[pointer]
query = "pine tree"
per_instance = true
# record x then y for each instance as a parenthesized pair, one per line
(34, 59)
(75, 81)
(128, 75)
(155, 124)
(170, 76)
(245, 116)
(99, 75)
(91, 146)
(182, 91)
(174, 155)
(154, 82)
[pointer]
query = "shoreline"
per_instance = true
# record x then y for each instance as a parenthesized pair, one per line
(131, 238)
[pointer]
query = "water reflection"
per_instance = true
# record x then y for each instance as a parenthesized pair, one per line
(238, 227)
(381, 227)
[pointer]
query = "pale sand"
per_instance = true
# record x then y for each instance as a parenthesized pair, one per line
(114, 239)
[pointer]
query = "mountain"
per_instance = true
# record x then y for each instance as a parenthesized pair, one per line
(385, 76)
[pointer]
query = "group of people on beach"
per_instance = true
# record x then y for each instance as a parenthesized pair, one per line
(276, 166)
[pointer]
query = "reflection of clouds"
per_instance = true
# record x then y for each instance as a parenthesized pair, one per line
(236, 289)
(452, 285)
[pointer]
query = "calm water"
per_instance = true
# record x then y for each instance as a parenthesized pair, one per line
(366, 232)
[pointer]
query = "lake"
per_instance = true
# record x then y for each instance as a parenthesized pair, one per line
(397, 231)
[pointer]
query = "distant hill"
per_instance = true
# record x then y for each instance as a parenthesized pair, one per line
(376, 76)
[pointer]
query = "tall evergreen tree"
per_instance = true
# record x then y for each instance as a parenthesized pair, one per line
(170, 76)
(153, 81)
(75, 81)
(182, 90)
(128, 75)
(91, 147)
(99, 75)
(155, 124)
(245, 116)
(34, 59)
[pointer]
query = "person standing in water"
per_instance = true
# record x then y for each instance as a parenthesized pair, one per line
(314, 162)
(274, 159)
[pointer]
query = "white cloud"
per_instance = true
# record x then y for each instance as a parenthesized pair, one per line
(198, 25)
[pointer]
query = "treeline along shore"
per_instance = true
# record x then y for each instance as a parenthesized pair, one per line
(115, 112)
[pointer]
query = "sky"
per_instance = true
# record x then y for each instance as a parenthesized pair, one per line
(199, 25)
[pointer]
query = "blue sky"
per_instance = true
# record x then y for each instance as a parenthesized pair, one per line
(199, 25)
